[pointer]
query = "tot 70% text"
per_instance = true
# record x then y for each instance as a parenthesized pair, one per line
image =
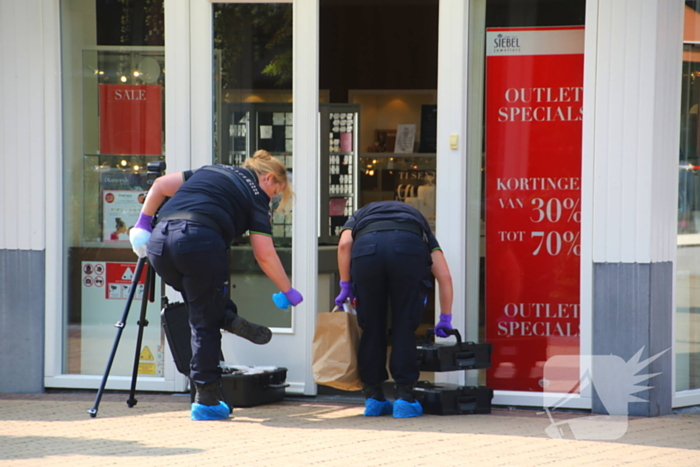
(552, 243)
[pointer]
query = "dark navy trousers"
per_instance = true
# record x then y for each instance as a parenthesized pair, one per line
(389, 267)
(193, 259)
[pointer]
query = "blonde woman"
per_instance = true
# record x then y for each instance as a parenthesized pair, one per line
(188, 248)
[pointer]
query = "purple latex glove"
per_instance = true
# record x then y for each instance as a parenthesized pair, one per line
(444, 323)
(293, 296)
(144, 222)
(345, 293)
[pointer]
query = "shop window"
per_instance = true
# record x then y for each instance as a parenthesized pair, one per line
(253, 110)
(113, 82)
(687, 260)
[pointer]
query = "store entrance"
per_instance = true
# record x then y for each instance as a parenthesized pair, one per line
(380, 58)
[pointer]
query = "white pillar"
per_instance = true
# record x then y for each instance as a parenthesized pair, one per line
(452, 164)
(198, 112)
(630, 182)
(305, 226)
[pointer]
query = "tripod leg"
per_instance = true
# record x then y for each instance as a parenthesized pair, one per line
(148, 293)
(120, 328)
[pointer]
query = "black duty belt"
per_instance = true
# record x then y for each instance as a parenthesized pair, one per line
(392, 225)
(193, 217)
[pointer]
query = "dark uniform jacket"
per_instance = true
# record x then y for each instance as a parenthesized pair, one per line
(390, 210)
(228, 195)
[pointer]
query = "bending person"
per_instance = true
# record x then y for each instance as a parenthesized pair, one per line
(188, 248)
(385, 256)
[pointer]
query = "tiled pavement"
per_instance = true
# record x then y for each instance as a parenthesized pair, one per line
(55, 429)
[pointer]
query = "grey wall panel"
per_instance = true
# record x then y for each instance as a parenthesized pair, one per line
(632, 306)
(661, 338)
(22, 321)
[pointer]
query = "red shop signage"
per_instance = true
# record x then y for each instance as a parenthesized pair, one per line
(120, 277)
(131, 119)
(534, 101)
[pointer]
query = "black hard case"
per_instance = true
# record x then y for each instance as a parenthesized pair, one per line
(244, 389)
(450, 399)
(452, 357)
(240, 388)
(175, 321)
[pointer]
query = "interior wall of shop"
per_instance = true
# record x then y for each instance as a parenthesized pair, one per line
(377, 45)
(392, 44)
(29, 137)
(630, 185)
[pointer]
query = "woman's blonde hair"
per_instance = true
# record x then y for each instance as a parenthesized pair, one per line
(263, 163)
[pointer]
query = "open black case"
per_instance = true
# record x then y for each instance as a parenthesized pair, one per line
(241, 386)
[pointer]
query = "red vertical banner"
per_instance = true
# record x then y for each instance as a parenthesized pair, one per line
(534, 101)
(131, 119)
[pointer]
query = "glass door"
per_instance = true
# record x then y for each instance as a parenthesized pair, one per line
(242, 93)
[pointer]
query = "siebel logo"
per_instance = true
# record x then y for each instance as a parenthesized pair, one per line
(506, 42)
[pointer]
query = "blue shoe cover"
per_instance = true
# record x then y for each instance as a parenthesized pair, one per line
(405, 409)
(210, 412)
(375, 408)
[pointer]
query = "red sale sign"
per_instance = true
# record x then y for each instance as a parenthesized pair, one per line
(534, 101)
(131, 119)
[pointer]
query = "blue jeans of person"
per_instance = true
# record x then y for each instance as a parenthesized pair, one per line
(389, 267)
(193, 259)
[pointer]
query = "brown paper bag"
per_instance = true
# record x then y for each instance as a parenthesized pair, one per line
(334, 350)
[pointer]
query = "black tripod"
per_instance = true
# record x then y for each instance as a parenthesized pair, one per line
(155, 170)
(148, 296)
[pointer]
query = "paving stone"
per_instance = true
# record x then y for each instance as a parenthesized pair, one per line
(55, 430)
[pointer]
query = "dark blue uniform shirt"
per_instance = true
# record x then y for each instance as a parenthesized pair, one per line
(234, 201)
(390, 211)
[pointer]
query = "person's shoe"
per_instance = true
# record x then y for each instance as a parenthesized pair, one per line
(405, 409)
(255, 333)
(405, 392)
(207, 393)
(221, 411)
(206, 405)
(373, 391)
(375, 408)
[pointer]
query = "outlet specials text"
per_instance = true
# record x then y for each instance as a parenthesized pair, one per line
(539, 319)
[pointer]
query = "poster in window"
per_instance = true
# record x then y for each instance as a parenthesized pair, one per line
(534, 102)
(104, 289)
(120, 211)
(405, 138)
(131, 119)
